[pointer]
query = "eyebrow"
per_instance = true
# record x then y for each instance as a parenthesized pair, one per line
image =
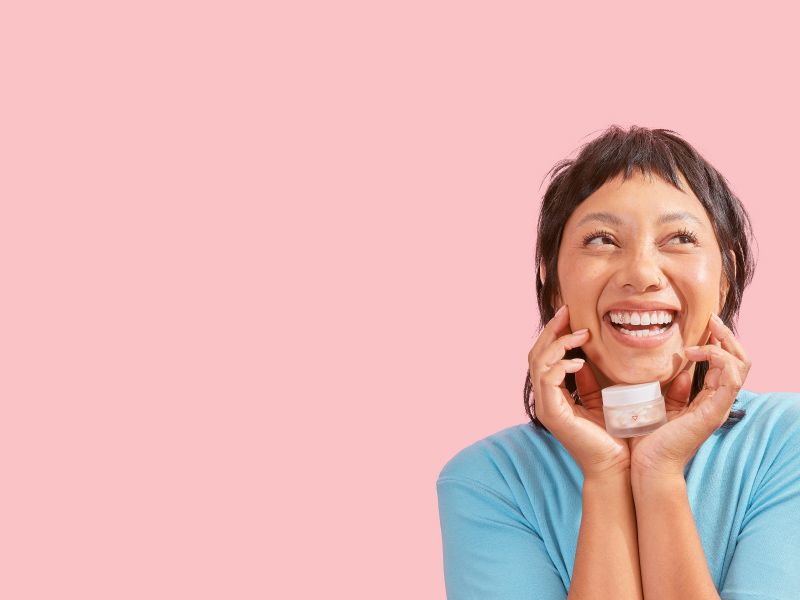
(613, 219)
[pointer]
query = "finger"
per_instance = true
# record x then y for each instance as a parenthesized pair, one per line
(713, 403)
(730, 367)
(715, 355)
(553, 400)
(727, 339)
(554, 327)
(554, 376)
(558, 348)
(715, 367)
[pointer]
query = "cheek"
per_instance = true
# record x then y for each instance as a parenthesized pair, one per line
(702, 278)
(576, 274)
(702, 269)
(699, 283)
(581, 290)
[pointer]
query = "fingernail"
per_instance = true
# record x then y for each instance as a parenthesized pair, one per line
(691, 348)
(560, 310)
(579, 332)
(578, 360)
(716, 317)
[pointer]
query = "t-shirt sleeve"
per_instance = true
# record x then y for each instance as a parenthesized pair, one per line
(490, 549)
(767, 554)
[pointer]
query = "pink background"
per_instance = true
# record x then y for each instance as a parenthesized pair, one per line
(266, 269)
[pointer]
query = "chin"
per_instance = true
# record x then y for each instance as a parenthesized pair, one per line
(644, 375)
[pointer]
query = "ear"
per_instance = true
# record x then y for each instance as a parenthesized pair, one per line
(542, 276)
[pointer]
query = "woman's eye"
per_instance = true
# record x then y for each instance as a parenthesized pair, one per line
(598, 237)
(688, 236)
(683, 237)
(689, 239)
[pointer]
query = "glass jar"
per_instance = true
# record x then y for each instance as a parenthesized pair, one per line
(633, 410)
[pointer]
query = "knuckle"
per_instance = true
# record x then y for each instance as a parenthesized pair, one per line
(536, 364)
(533, 354)
(554, 375)
(565, 341)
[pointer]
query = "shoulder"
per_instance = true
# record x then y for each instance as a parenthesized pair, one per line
(507, 459)
(773, 413)
(766, 440)
(477, 460)
(498, 450)
(769, 400)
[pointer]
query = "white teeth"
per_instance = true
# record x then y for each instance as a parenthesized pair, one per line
(641, 318)
(643, 332)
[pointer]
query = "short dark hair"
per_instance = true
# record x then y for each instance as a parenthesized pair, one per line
(653, 151)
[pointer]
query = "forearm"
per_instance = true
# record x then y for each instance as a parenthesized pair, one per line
(673, 564)
(607, 556)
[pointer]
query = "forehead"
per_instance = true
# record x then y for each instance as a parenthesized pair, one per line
(640, 198)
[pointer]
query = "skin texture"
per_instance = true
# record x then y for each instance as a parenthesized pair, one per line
(645, 261)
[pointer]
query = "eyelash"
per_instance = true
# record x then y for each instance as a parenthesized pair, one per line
(603, 233)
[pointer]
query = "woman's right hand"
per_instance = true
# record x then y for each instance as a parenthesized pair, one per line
(580, 429)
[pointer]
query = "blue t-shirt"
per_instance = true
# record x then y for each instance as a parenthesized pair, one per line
(510, 508)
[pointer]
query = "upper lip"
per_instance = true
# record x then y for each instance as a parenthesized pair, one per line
(641, 306)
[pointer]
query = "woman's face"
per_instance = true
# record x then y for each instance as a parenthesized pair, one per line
(651, 248)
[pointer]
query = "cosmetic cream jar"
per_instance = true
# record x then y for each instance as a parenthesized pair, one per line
(632, 410)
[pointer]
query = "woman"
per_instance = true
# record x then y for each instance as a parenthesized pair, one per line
(638, 228)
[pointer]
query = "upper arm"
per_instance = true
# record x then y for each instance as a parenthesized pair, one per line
(764, 563)
(490, 549)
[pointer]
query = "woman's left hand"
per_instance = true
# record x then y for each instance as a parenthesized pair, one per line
(668, 449)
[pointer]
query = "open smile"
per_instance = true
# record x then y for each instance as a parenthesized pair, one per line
(641, 336)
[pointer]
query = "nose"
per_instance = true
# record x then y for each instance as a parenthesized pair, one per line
(641, 271)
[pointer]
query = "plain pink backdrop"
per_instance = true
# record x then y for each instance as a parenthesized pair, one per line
(267, 266)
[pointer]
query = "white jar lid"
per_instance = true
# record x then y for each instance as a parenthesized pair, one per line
(624, 394)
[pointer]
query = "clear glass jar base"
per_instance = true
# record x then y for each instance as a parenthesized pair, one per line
(636, 431)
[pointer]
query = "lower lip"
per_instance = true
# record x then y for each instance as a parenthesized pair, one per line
(651, 341)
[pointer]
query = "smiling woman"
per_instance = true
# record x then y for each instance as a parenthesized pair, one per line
(643, 255)
(645, 205)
